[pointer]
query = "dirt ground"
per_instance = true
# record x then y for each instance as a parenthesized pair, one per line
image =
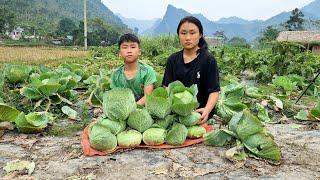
(61, 158)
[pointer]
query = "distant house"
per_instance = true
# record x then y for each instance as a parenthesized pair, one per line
(17, 33)
(310, 39)
(214, 41)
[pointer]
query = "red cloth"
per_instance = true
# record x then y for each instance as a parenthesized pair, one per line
(89, 151)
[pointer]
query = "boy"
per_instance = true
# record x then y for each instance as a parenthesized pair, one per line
(138, 77)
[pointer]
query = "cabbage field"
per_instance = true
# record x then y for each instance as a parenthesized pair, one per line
(260, 131)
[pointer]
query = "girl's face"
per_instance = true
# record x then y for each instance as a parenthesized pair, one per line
(189, 35)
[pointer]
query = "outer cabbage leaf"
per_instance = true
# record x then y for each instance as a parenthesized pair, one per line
(8, 113)
(263, 146)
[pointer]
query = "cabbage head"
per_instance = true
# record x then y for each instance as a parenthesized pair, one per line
(154, 136)
(158, 104)
(177, 135)
(101, 139)
(17, 73)
(33, 122)
(118, 103)
(196, 132)
(129, 138)
(190, 120)
(140, 120)
(184, 99)
(115, 127)
(164, 123)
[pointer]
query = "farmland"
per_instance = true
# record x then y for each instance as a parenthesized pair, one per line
(272, 77)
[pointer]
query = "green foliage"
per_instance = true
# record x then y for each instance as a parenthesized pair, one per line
(238, 42)
(285, 84)
(65, 27)
(7, 20)
(42, 16)
(270, 34)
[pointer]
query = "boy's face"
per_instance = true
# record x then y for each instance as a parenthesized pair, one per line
(130, 51)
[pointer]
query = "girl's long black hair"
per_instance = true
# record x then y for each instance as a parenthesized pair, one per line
(191, 19)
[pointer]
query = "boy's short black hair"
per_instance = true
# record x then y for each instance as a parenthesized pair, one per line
(128, 38)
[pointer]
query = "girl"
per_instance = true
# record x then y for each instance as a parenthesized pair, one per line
(194, 64)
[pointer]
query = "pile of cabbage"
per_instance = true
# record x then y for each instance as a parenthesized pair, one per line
(168, 117)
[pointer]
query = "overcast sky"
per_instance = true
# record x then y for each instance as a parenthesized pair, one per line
(212, 9)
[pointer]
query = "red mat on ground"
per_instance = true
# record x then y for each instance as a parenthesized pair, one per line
(88, 151)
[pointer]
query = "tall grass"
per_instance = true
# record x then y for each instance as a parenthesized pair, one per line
(38, 55)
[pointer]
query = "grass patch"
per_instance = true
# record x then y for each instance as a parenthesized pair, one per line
(65, 130)
(39, 55)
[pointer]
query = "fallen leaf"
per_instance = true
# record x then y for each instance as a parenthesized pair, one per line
(22, 167)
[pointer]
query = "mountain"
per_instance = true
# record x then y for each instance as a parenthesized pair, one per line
(232, 26)
(47, 13)
(142, 25)
(235, 20)
(312, 9)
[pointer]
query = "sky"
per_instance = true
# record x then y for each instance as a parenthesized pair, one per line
(212, 9)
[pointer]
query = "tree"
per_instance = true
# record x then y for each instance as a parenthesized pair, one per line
(66, 27)
(269, 34)
(220, 35)
(102, 32)
(136, 30)
(7, 20)
(78, 36)
(295, 22)
(238, 42)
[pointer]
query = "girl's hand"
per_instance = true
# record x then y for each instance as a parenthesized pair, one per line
(204, 115)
